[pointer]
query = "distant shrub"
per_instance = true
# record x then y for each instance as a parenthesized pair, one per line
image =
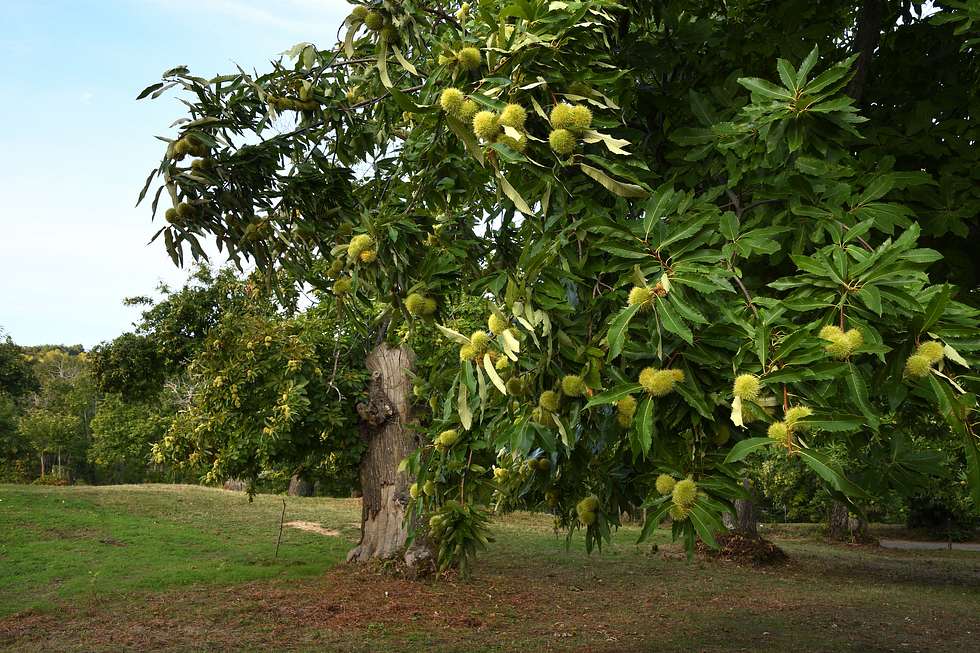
(50, 479)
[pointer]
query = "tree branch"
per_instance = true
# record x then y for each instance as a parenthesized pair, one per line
(865, 42)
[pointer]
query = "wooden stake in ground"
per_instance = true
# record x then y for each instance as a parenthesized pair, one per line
(282, 518)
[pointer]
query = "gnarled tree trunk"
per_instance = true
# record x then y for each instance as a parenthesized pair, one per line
(745, 521)
(299, 487)
(384, 424)
(841, 526)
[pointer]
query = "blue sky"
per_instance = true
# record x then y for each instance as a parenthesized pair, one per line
(75, 147)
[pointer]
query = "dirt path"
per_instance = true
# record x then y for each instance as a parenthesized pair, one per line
(932, 546)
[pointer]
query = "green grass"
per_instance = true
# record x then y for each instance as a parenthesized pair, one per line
(188, 568)
(60, 543)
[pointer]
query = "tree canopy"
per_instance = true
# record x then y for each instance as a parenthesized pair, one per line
(699, 231)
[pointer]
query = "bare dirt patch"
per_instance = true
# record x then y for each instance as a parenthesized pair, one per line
(312, 527)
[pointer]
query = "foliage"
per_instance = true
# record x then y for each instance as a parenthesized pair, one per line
(789, 491)
(123, 434)
(129, 364)
(10, 445)
(628, 252)
(944, 510)
(56, 419)
(268, 393)
(16, 376)
(169, 334)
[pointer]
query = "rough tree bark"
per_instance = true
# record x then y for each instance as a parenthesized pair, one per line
(384, 424)
(866, 38)
(299, 487)
(745, 522)
(842, 527)
(838, 520)
(234, 485)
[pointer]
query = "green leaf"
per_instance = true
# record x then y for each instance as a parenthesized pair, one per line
(463, 407)
(469, 140)
(656, 208)
(455, 336)
(871, 298)
(620, 188)
(563, 431)
(149, 89)
(830, 472)
(837, 423)
(947, 406)
(935, 309)
(833, 75)
(692, 394)
(808, 63)
(786, 74)
(616, 335)
(613, 395)
(514, 196)
(876, 190)
(644, 424)
(405, 63)
(656, 510)
(729, 225)
(859, 393)
(765, 89)
(743, 448)
(705, 524)
(673, 322)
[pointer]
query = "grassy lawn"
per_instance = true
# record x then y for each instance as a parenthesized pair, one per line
(158, 567)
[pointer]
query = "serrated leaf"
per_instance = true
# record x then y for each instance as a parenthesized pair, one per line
(786, 74)
(737, 412)
(613, 144)
(616, 335)
(620, 188)
(405, 63)
(383, 63)
(469, 140)
(614, 394)
(837, 423)
(954, 356)
(935, 309)
(877, 189)
(453, 335)
(830, 472)
(859, 392)
(463, 407)
(656, 208)
(673, 322)
(743, 448)
(514, 196)
(871, 298)
(660, 506)
(492, 373)
(705, 524)
(149, 89)
(562, 431)
(644, 424)
(765, 88)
